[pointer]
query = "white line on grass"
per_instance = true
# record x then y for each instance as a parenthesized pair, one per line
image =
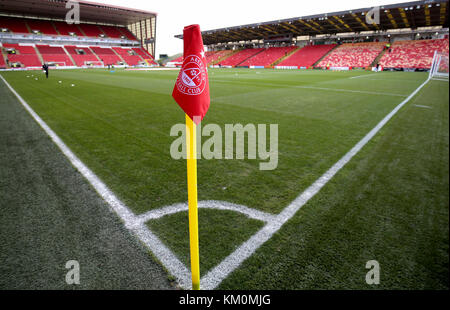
(352, 91)
(211, 204)
(362, 76)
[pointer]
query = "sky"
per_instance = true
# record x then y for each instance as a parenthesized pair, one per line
(174, 15)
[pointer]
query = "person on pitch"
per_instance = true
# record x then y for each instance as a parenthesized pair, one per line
(45, 68)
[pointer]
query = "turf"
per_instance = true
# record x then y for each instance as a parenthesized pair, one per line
(119, 124)
(389, 204)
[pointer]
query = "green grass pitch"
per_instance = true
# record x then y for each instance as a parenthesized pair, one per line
(389, 204)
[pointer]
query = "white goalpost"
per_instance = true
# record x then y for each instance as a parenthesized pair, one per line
(439, 67)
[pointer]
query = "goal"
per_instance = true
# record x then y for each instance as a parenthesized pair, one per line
(439, 67)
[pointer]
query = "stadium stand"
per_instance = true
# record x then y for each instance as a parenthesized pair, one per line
(41, 26)
(54, 54)
(25, 55)
(413, 54)
(268, 56)
(145, 55)
(359, 55)
(106, 55)
(214, 56)
(2, 61)
(307, 56)
(66, 29)
(81, 55)
(112, 32)
(127, 33)
(240, 57)
(118, 36)
(14, 25)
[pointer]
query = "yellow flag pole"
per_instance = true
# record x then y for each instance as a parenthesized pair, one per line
(191, 149)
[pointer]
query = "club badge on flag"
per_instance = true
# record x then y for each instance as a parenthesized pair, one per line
(191, 90)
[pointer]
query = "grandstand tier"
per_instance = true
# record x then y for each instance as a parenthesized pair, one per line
(14, 25)
(106, 55)
(307, 56)
(240, 57)
(91, 30)
(24, 55)
(41, 26)
(359, 55)
(67, 30)
(81, 55)
(129, 56)
(2, 62)
(268, 56)
(413, 54)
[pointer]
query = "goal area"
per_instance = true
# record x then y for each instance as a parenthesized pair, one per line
(439, 67)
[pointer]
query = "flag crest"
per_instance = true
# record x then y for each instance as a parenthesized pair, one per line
(191, 90)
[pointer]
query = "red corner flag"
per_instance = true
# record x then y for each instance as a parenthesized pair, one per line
(191, 90)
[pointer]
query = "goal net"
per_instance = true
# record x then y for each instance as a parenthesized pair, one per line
(439, 67)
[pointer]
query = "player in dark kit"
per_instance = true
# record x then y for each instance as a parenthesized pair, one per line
(45, 67)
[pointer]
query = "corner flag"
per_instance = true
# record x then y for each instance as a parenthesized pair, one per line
(191, 92)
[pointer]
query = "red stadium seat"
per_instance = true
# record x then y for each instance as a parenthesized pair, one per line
(42, 26)
(360, 55)
(26, 55)
(81, 59)
(413, 54)
(54, 54)
(14, 25)
(307, 56)
(127, 33)
(91, 30)
(106, 55)
(112, 32)
(145, 55)
(2, 62)
(241, 56)
(268, 56)
(129, 55)
(65, 29)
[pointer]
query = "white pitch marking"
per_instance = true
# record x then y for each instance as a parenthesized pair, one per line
(352, 91)
(422, 106)
(362, 76)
